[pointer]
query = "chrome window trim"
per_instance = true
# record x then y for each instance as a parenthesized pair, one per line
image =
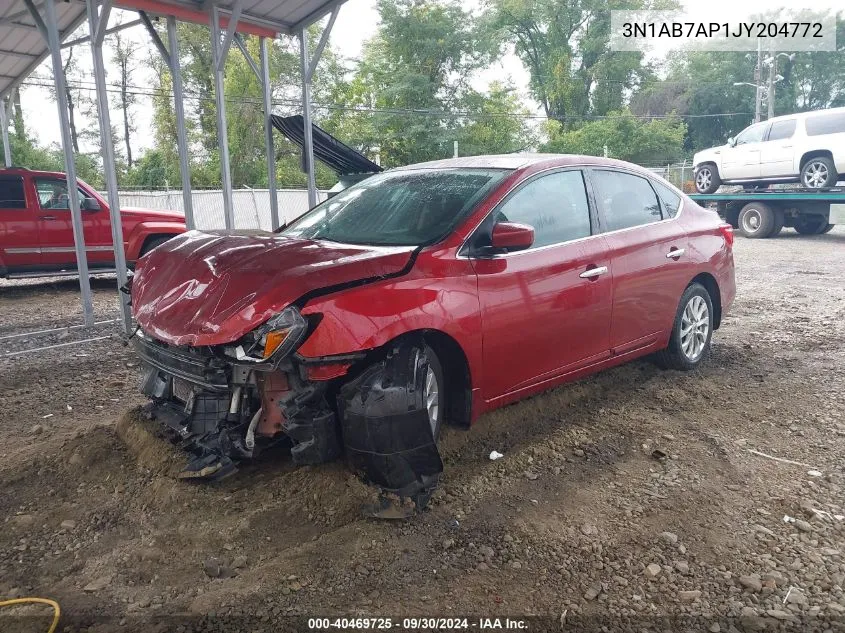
(580, 166)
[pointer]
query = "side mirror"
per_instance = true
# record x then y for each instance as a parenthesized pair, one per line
(89, 204)
(512, 236)
(731, 141)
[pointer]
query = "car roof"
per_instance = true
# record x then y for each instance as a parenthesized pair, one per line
(804, 115)
(20, 171)
(517, 161)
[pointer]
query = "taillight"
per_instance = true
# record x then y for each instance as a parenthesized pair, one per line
(728, 233)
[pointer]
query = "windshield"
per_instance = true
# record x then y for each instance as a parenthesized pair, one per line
(403, 208)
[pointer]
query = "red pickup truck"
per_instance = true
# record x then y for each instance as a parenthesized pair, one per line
(36, 235)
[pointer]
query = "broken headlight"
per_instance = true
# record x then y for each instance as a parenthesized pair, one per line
(272, 341)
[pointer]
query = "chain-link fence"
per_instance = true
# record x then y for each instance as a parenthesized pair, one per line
(679, 174)
(251, 206)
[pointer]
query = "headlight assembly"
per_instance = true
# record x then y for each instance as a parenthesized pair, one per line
(272, 341)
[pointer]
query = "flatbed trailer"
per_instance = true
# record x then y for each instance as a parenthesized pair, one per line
(764, 213)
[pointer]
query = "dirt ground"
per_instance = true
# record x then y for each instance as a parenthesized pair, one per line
(578, 522)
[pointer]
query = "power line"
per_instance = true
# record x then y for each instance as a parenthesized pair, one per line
(137, 91)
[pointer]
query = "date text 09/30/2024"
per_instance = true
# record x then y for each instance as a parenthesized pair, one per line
(418, 623)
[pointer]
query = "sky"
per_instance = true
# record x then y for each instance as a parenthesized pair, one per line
(357, 22)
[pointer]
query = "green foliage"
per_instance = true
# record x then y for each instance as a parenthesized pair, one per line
(626, 137)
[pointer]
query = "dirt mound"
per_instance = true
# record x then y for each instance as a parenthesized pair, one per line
(147, 444)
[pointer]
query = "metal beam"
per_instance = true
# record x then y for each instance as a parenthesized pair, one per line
(314, 16)
(268, 133)
(4, 121)
(230, 33)
(87, 38)
(181, 132)
(308, 146)
(52, 30)
(36, 17)
(6, 53)
(145, 19)
(239, 42)
(95, 26)
(321, 45)
(218, 62)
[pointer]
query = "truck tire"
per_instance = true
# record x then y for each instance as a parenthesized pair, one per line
(811, 224)
(757, 220)
(827, 228)
(779, 222)
(819, 172)
(707, 178)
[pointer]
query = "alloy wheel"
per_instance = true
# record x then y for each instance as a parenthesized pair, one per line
(815, 175)
(703, 178)
(695, 326)
(432, 399)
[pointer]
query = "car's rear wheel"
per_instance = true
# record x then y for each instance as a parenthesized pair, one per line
(811, 224)
(689, 344)
(433, 392)
(819, 172)
(757, 220)
(707, 178)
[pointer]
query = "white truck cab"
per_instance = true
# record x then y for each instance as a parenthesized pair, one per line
(806, 147)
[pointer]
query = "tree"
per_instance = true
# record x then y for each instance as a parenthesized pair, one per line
(625, 136)
(124, 53)
(496, 123)
(565, 45)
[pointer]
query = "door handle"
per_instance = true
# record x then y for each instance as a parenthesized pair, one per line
(675, 252)
(591, 273)
(48, 217)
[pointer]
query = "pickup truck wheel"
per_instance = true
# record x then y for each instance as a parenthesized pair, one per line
(819, 172)
(707, 178)
(689, 343)
(757, 220)
(152, 242)
(811, 224)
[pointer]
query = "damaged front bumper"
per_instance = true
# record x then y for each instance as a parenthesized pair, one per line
(223, 412)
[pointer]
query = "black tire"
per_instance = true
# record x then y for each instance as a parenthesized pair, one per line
(757, 220)
(153, 242)
(819, 172)
(827, 228)
(810, 224)
(437, 369)
(674, 357)
(779, 222)
(707, 178)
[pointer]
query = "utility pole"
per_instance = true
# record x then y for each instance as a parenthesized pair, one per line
(757, 78)
(770, 86)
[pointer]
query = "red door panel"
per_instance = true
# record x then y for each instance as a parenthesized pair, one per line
(56, 228)
(540, 316)
(19, 247)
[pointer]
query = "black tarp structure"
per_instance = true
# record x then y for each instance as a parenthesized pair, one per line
(327, 149)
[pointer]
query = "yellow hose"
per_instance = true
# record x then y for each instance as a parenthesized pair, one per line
(57, 611)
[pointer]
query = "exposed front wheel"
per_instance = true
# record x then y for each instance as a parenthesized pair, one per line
(819, 173)
(707, 179)
(692, 330)
(757, 220)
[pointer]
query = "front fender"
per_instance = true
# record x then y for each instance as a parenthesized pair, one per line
(369, 316)
(141, 231)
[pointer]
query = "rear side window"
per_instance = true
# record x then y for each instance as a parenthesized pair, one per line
(11, 193)
(626, 200)
(671, 200)
(554, 205)
(825, 124)
(782, 129)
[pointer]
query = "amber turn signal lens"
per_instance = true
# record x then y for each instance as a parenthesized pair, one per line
(274, 339)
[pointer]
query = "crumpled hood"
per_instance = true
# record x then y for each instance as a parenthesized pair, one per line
(212, 287)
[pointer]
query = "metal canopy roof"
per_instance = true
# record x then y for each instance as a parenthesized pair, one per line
(23, 48)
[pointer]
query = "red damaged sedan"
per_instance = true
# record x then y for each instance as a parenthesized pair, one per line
(422, 295)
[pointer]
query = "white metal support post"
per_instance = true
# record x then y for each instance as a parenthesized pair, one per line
(48, 25)
(97, 25)
(4, 121)
(268, 133)
(181, 131)
(308, 67)
(219, 52)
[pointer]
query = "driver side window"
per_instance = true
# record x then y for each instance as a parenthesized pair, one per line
(52, 194)
(753, 134)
